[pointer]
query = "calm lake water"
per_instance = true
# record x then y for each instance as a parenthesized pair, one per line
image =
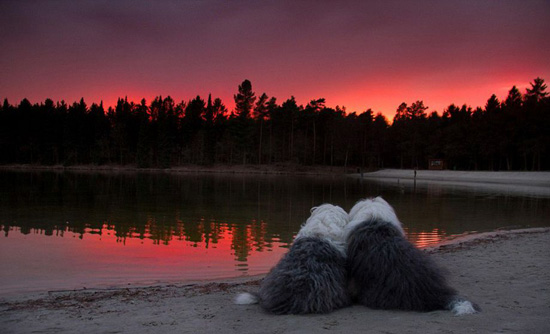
(64, 230)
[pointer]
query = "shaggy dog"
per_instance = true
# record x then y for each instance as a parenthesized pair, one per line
(311, 277)
(387, 272)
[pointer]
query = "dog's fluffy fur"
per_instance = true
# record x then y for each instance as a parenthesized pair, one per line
(311, 277)
(387, 271)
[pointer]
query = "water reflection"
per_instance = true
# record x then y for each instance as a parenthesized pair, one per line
(137, 226)
(426, 238)
(243, 238)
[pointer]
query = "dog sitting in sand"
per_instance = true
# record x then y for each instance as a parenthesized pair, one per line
(311, 277)
(388, 272)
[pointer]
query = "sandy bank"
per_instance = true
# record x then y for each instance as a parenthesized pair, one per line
(512, 183)
(527, 178)
(506, 273)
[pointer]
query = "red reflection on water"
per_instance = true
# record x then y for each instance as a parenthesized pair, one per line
(203, 245)
(423, 239)
(113, 255)
(106, 256)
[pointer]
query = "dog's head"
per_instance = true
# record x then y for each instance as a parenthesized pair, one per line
(373, 210)
(326, 221)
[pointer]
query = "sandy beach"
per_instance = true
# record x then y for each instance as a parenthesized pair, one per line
(516, 177)
(507, 183)
(505, 272)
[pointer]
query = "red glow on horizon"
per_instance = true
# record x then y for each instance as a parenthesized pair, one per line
(359, 56)
(384, 98)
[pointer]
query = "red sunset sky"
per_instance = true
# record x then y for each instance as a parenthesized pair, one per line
(358, 54)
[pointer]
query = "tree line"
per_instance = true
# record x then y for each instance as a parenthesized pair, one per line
(503, 135)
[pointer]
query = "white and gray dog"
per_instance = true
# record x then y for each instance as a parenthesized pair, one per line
(387, 271)
(311, 277)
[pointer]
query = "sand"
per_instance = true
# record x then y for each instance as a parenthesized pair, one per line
(532, 178)
(505, 272)
(533, 184)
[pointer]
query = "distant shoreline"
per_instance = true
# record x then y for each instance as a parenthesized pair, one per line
(503, 182)
(276, 169)
(541, 178)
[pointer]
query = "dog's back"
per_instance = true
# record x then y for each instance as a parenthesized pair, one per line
(387, 271)
(310, 278)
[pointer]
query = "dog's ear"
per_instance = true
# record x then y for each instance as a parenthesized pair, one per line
(379, 199)
(357, 207)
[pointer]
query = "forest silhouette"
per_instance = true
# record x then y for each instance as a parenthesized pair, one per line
(503, 135)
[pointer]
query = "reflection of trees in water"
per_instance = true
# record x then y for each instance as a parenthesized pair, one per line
(249, 238)
(245, 238)
(251, 212)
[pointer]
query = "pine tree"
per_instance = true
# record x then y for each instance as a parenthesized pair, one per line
(242, 122)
